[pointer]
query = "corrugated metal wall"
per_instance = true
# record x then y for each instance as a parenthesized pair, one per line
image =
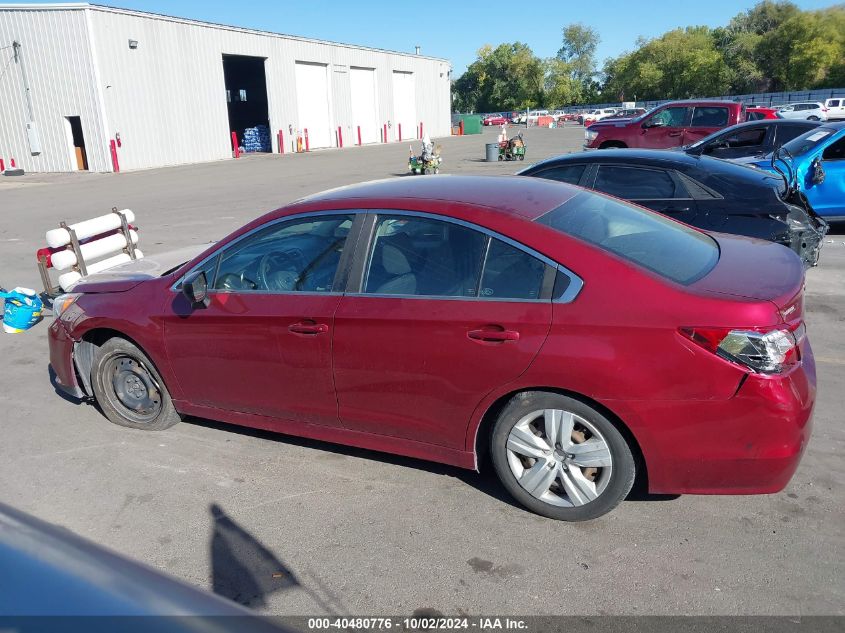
(167, 97)
(62, 80)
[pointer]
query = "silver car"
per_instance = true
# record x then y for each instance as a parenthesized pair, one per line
(811, 110)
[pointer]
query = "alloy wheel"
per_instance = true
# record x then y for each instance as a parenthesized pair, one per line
(559, 457)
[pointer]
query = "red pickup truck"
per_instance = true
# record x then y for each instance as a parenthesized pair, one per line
(669, 125)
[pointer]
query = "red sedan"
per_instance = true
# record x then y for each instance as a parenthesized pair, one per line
(496, 119)
(755, 113)
(577, 340)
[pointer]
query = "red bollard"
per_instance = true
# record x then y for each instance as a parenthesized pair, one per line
(385, 132)
(461, 128)
(235, 146)
(339, 137)
(421, 129)
(307, 144)
(281, 142)
(2, 165)
(114, 162)
(359, 135)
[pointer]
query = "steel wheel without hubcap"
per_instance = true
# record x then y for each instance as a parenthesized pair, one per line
(132, 389)
(559, 457)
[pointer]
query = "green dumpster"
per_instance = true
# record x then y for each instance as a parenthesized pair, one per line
(472, 123)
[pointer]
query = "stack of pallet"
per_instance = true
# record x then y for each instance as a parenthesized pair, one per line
(257, 139)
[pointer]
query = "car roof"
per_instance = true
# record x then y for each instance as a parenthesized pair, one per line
(673, 159)
(701, 102)
(528, 198)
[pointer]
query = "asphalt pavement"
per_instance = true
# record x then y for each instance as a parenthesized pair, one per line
(292, 526)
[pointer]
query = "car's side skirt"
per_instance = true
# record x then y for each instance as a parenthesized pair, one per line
(347, 437)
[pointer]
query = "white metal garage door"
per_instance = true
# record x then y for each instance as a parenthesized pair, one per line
(312, 97)
(404, 105)
(362, 82)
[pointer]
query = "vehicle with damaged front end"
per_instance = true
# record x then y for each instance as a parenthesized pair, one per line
(813, 167)
(574, 340)
(705, 192)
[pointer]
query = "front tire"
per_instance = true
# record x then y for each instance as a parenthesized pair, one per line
(561, 458)
(129, 389)
(813, 118)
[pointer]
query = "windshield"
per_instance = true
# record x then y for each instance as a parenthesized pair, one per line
(668, 248)
(808, 141)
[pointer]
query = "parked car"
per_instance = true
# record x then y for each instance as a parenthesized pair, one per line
(598, 115)
(669, 125)
(704, 192)
(628, 113)
(532, 115)
(454, 318)
(814, 164)
(752, 138)
(835, 108)
(757, 113)
(812, 111)
(496, 119)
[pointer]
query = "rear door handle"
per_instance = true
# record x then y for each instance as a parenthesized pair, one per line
(308, 327)
(493, 336)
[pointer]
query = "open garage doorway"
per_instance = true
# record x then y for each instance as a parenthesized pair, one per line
(246, 94)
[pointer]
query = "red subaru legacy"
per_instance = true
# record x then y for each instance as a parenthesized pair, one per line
(577, 340)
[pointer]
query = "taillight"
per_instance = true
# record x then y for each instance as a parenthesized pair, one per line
(768, 352)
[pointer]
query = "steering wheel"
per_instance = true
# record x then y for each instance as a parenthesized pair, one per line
(277, 271)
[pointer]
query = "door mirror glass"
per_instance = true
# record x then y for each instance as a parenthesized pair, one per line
(195, 288)
(655, 122)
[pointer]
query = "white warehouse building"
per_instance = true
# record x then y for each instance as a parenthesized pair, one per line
(106, 89)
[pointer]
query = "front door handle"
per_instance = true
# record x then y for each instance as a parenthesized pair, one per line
(493, 336)
(308, 327)
(674, 133)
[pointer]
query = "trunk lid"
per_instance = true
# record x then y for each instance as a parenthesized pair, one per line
(756, 270)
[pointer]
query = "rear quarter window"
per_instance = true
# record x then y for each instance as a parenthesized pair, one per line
(670, 249)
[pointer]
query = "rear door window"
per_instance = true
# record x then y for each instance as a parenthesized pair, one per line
(836, 151)
(635, 183)
(709, 117)
(564, 173)
(786, 133)
(668, 248)
(746, 138)
(510, 273)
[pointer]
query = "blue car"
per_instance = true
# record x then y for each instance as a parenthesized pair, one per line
(814, 164)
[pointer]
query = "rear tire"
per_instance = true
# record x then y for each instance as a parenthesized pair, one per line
(561, 458)
(129, 389)
(813, 118)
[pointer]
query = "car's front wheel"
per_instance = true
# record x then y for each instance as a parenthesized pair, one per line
(128, 388)
(560, 457)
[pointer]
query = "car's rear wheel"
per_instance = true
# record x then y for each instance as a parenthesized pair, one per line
(813, 118)
(128, 388)
(561, 458)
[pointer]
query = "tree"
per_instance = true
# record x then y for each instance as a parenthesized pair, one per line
(579, 51)
(509, 77)
(679, 64)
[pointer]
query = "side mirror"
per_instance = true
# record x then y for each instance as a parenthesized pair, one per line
(655, 123)
(195, 288)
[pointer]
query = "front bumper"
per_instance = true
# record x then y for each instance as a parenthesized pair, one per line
(749, 444)
(61, 360)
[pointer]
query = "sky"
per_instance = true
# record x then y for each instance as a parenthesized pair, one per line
(456, 30)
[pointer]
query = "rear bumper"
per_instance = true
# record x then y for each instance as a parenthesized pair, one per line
(749, 444)
(61, 360)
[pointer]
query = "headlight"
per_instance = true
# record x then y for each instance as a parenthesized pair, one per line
(63, 302)
(590, 135)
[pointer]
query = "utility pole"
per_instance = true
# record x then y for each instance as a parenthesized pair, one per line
(31, 128)
(16, 47)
